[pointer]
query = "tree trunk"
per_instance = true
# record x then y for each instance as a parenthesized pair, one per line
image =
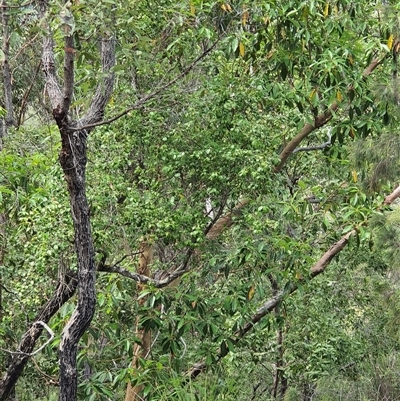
(278, 371)
(6, 74)
(73, 161)
(141, 350)
(7, 359)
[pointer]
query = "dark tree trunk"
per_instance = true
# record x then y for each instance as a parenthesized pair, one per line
(73, 161)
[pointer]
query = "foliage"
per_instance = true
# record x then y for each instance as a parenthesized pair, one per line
(216, 135)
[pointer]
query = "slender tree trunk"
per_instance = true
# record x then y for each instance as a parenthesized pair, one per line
(4, 126)
(7, 359)
(278, 372)
(6, 73)
(141, 350)
(2, 253)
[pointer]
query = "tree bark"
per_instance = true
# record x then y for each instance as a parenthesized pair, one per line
(73, 159)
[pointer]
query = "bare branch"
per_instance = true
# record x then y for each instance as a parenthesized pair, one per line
(26, 94)
(165, 279)
(48, 329)
(140, 278)
(24, 46)
(69, 55)
(6, 73)
(315, 147)
(49, 68)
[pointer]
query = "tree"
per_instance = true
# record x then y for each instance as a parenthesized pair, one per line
(187, 163)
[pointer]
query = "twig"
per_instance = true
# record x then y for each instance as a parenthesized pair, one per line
(26, 94)
(48, 329)
(50, 379)
(9, 291)
(140, 103)
(24, 46)
(316, 147)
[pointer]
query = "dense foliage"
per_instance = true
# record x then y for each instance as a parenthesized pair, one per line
(243, 143)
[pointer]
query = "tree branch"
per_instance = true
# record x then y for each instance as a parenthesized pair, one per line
(88, 123)
(315, 147)
(65, 289)
(140, 278)
(26, 95)
(6, 73)
(69, 55)
(165, 279)
(49, 68)
(392, 197)
(319, 121)
(226, 220)
(104, 88)
(268, 306)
